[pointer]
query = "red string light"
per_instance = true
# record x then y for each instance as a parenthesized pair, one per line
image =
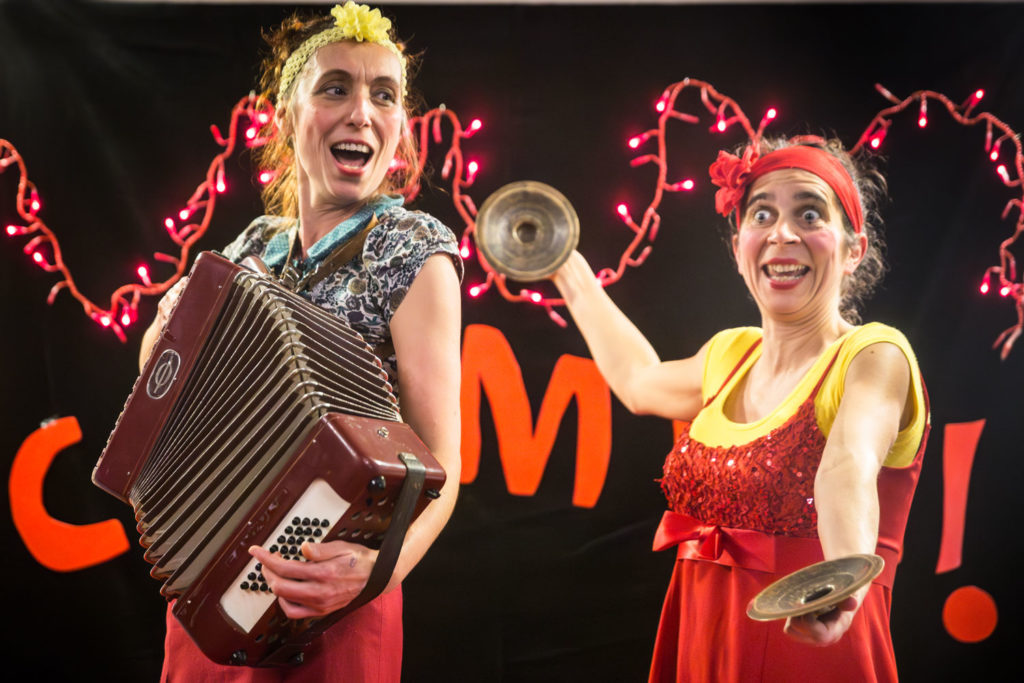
(1010, 173)
(260, 127)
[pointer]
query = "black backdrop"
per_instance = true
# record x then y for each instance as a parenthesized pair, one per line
(110, 105)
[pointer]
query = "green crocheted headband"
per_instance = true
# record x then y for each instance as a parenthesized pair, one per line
(351, 22)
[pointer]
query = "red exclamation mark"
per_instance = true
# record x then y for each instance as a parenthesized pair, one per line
(970, 613)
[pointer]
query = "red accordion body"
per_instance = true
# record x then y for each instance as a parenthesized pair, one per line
(259, 419)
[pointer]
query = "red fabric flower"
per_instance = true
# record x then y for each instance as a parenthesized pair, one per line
(730, 174)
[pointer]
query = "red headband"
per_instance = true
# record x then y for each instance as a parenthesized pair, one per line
(734, 175)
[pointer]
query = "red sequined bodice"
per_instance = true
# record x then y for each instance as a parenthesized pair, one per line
(766, 485)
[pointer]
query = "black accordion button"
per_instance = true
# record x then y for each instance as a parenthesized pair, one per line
(305, 521)
(317, 533)
(282, 539)
(251, 576)
(324, 523)
(297, 520)
(293, 550)
(258, 567)
(273, 548)
(244, 585)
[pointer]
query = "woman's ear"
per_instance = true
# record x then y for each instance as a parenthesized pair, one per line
(283, 122)
(858, 250)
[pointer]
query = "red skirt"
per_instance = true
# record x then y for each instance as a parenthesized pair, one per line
(705, 634)
(364, 647)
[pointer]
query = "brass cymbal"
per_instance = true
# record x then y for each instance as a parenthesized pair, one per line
(815, 589)
(526, 230)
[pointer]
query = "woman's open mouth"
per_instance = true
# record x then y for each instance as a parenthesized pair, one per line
(784, 272)
(352, 155)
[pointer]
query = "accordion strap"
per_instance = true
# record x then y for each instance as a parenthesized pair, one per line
(387, 557)
(342, 254)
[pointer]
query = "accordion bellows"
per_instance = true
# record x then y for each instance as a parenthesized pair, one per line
(259, 419)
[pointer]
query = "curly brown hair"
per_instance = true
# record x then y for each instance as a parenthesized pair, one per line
(280, 195)
(871, 191)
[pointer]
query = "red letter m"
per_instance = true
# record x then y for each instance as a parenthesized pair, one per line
(488, 362)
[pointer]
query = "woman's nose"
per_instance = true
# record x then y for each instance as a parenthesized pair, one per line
(359, 114)
(782, 232)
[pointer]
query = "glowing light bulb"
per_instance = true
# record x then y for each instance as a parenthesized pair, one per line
(1003, 173)
(720, 126)
(37, 257)
(687, 184)
(475, 290)
(660, 106)
(143, 273)
(35, 205)
(994, 155)
(464, 250)
(221, 185)
(126, 319)
(1004, 290)
(771, 113)
(105, 320)
(12, 230)
(634, 142)
(535, 297)
(984, 286)
(471, 170)
(474, 126)
(622, 210)
(922, 119)
(266, 176)
(263, 117)
(250, 133)
(184, 214)
(169, 223)
(978, 94)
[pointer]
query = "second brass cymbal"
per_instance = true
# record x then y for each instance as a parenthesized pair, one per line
(815, 588)
(526, 230)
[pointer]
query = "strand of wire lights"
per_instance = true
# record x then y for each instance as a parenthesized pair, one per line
(725, 113)
(192, 221)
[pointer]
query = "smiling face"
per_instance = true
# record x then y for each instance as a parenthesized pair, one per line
(345, 117)
(792, 249)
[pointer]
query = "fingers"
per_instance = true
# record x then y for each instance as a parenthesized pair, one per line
(333, 575)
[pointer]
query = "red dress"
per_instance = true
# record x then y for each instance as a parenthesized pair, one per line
(364, 647)
(743, 517)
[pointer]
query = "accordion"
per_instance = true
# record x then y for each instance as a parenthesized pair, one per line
(260, 419)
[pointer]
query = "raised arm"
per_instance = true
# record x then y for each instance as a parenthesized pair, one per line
(628, 362)
(872, 411)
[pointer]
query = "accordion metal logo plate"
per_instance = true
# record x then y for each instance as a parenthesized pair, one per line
(164, 374)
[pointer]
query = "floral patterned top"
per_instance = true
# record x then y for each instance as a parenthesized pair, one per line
(367, 290)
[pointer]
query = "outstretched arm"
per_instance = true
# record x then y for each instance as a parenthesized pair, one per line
(846, 487)
(628, 362)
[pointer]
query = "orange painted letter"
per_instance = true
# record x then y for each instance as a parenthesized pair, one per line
(55, 544)
(488, 362)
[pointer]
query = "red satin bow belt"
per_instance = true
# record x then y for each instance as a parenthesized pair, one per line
(749, 549)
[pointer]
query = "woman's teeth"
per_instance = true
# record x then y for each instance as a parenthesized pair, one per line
(353, 154)
(784, 271)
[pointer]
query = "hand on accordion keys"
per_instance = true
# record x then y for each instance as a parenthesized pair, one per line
(333, 574)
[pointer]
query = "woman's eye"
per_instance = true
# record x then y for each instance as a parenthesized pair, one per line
(810, 215)
(762, 216)
(335, 90)
(386, 96)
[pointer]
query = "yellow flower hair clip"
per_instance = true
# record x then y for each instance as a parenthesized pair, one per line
(362, 23)
(351, 22)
